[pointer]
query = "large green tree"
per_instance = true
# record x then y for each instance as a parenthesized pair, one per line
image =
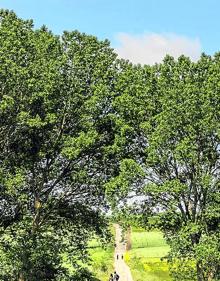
(171, 112)
(54, 126)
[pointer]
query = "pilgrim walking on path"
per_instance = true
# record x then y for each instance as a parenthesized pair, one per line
(121, 267)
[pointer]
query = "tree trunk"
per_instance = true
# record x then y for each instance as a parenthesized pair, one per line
(199, 271)
(210, 276)
(21, 277)
(128, 246)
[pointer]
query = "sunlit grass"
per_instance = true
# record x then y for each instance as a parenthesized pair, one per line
(145, 256)
(102, 258)
(102, 262)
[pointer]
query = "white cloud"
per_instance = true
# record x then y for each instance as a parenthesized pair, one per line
(150, 48)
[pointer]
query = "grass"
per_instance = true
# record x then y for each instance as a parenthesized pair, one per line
(102, 259)
(102, 262)
(145, 256)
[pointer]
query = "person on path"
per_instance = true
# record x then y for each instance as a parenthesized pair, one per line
(116, 276)
(117, 256)
(111, 277)
(122, 257)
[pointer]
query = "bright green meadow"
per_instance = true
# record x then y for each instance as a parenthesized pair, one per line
(102, 262)
(145, 256)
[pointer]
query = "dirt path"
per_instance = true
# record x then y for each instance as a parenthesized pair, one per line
(120, 266)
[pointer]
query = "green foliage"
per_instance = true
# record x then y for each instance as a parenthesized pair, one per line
(173, 111)
(183, 269)
(79, 127)
(129, 170)
(53, 112)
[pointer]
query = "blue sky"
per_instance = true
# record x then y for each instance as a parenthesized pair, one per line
(133, 26)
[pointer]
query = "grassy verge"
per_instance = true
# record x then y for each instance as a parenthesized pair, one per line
(102, 259)
(145, 256)
(102, 262)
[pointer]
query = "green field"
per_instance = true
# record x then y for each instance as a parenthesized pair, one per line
(102, 262)
(145, 256)
(102, 258)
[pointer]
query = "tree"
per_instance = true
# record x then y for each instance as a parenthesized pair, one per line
(173, 112)
(53, 111)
